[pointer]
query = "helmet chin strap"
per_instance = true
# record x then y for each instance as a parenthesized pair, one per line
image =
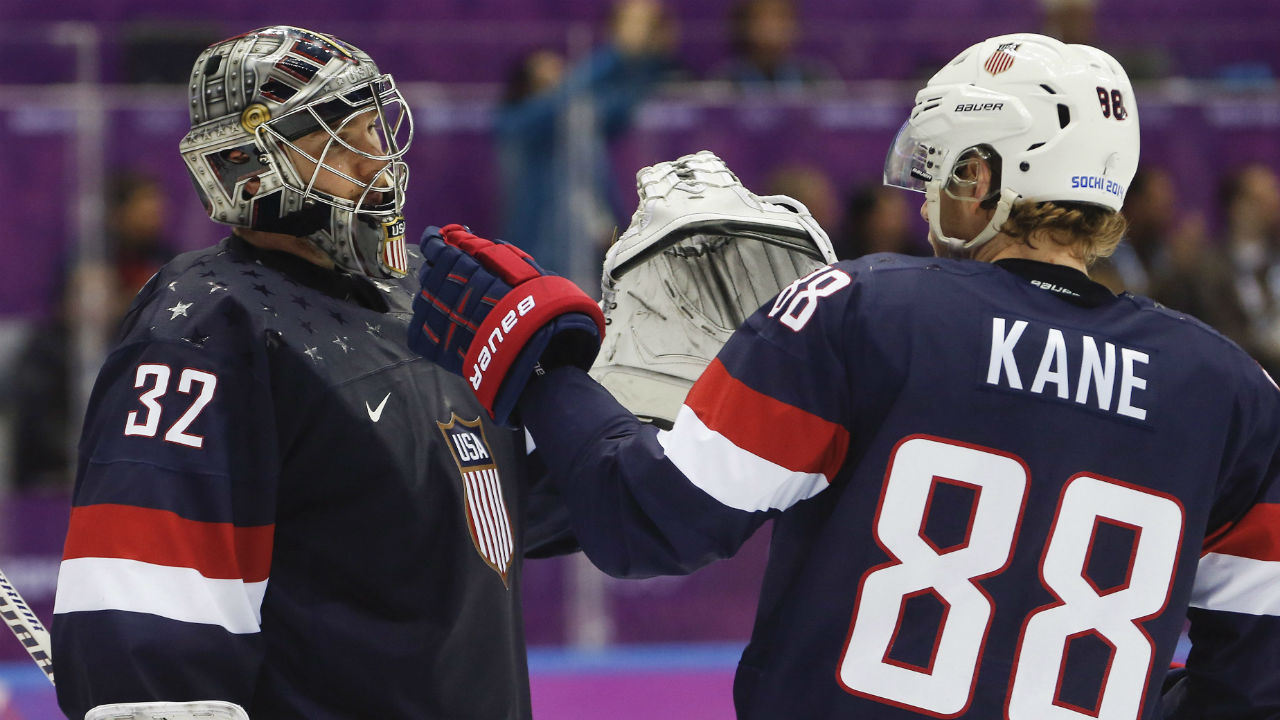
(960, 246)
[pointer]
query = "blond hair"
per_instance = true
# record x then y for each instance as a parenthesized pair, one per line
(1089, 231)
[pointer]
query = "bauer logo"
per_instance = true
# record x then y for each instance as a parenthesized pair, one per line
(1096, 182)
(489, 350)
(484, 506)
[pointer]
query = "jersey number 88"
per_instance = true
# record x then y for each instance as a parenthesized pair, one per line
(1000, 482)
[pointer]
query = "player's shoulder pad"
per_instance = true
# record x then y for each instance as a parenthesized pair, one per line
(1198, 331)
(202, 295)
(887, 262)
(891, 272)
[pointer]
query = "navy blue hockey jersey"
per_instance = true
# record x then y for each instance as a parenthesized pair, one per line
(280, 505)
(999, 491)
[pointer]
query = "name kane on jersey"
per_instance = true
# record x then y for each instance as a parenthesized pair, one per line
(1084, 369)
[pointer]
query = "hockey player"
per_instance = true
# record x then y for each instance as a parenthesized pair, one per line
(998, 490)
(280, 509)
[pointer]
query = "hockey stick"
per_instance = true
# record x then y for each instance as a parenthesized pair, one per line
(24, 623)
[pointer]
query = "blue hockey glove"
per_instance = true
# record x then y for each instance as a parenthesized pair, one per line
(488, 313)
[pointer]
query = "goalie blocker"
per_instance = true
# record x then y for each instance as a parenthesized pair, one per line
(489, 313)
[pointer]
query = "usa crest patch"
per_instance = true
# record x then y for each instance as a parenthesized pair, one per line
(1002, 59)
(488, 519)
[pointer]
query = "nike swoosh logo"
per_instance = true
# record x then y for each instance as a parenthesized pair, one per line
(376, 415)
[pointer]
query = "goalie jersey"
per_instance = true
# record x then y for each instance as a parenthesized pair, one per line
(279, 505)
(997, 491)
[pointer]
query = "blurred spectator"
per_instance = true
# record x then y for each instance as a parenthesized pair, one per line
(136, 222)
(1151, 209)
(811, 186)
(1197, 279)
(878, 218)
(1071, 21)
(1166, 255)
(1249, 199)
(95, 294)
(1075, 21)
(763, 35)
(553, 127)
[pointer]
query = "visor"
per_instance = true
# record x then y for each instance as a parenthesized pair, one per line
(911, 163)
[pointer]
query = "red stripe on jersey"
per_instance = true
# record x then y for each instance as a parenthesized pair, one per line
(161, 537)
(770, 429)
(1256, 536)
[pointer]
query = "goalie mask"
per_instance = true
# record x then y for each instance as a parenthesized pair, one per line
(702, 254)
(298, 133)
(1056, 122)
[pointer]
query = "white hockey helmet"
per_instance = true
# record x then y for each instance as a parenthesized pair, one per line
(1057, 122)
(253, 96)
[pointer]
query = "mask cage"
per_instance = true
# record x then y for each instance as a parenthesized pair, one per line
(378, 102)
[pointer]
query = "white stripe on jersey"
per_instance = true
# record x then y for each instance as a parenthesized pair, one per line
(1237, 584)
(182, 594)
(728, 473)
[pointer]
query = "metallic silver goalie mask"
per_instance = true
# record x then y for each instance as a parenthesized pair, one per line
(253, 100)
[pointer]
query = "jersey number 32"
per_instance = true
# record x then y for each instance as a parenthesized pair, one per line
(154, 379)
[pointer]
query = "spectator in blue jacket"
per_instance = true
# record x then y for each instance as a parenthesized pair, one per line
(763, 36)
(553, 129)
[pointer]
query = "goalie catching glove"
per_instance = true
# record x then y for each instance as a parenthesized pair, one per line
(207, 710)
(487, 312)
(702, 253)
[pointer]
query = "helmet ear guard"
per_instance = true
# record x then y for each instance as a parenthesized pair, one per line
(254, 97)
(1004, 205)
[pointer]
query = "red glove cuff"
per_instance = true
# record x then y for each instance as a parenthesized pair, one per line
(513, 321)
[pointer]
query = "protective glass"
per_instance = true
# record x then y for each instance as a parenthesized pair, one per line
(912, 162)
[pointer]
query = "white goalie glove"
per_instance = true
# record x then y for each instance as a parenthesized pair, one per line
(203, 710)
(702, 254)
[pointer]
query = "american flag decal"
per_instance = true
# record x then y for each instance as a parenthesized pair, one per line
(394, 254)
(488, 520)
(1002, 59)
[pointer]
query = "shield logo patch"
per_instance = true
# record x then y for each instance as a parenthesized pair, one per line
(1002, 59)
(488, 519)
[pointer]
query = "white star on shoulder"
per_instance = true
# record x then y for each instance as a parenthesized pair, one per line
(342, 343)
(173, 286)
(384, 287)
(313, 353)
(179, 309)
